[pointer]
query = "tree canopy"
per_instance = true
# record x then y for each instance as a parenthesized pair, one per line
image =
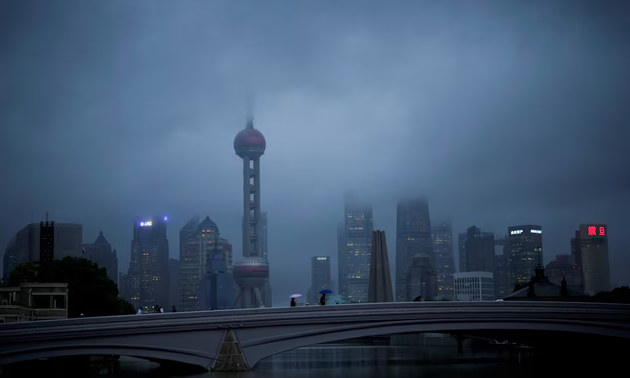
(91, 291)
(617, 295)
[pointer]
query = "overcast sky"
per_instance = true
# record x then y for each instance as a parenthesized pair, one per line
(501, 113)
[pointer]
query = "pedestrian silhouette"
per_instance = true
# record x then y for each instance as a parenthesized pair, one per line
(174, 309)
(418, 298)
(322, 300)
(293, 302)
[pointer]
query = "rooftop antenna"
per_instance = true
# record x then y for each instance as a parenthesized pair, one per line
(250, 111)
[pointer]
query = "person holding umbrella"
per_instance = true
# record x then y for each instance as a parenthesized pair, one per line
(322, 300)
(293, 304)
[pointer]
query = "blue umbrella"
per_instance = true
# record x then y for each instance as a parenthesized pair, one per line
(326, 291)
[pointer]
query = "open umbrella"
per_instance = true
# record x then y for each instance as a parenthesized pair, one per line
(295, 296)
(326, 291)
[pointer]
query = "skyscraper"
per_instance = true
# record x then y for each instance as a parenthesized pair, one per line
(10, 258)
(215, 291)
(525, 252)
(421, 278)
(342, 260)
(25, 245)
(320, 277)
(149, 264)
(593, 254)
(479, 247)
(413, 237)
(191, 266)
(46, 241)
(562, 268)
(442, 235)
(252, 272)
(173, 275)
(205, 276)
(100, 252)
(502, 269)
(356, 254)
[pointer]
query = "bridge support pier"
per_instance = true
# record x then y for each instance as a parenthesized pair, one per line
(230, 357)
(460, 343)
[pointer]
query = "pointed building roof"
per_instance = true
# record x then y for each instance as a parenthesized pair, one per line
(192, 224)
(208, 224)
(101, 239)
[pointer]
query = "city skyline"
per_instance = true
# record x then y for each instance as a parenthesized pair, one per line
(494, 114)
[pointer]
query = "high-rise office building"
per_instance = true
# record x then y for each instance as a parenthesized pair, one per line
(525, 252)
(421, 278)
(25, 245)
(479, 250)
(216, 285)
(593, 254)
(124, 287)
(191, 266)
(252, 272)
(562, 268)
(474, 286)
(355, 256)
(100, 252)
(413, 237)
(342, 260)
(173, 275)
(502, 269)
(149, 264)
(46, 241)
(320, 277)
(10, 258)
(205, 276)
(442, 235)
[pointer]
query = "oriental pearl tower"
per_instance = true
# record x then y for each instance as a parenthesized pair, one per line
(252, 272)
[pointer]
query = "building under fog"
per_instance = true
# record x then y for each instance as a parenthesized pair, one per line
(100, 252)
(442, 235)
(354, 256)
(25, 245)
(413, 237)
(148, 268)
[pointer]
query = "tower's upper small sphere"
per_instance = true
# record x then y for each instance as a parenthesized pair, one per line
(249, 142)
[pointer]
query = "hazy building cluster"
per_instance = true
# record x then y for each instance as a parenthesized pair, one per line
(489, 267)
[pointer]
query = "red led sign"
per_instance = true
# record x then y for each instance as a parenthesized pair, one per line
(592, 231)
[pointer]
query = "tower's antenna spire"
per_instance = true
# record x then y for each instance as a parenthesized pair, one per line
(250, 111)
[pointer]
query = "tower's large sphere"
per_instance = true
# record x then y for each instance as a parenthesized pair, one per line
(251, 272)
(249, 142)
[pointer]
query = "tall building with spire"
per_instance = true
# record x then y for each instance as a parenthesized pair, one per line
(252, 272)
(149, 264)
(413, 237)
(100, 252)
